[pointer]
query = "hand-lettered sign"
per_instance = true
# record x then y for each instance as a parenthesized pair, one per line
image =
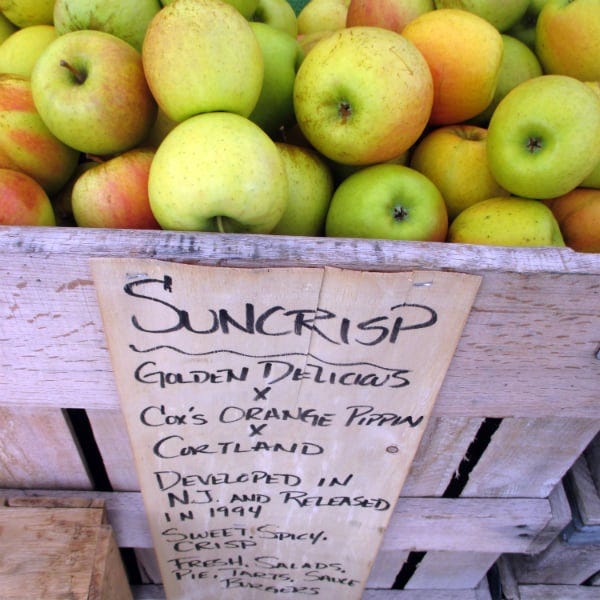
(274, 414)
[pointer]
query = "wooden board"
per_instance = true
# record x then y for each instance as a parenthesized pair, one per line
(258, 402)
(530, 342)
(51, 551)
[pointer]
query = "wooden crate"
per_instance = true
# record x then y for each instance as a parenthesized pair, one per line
(517, 408)
(59, 548)
(573, 557)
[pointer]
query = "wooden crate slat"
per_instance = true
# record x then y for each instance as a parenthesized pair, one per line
(385, 569)
(529, 457)
(440, 453)
(557, 592)
(112, 439)
(485, 525)
(37, 449)
(451, 570)
(52, 326)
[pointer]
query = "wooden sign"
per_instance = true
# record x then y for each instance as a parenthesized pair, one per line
(274, 414)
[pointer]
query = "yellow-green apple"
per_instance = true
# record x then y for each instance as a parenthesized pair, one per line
(502, 15)
(28, 12)
(311, 186)
(218, 171)
(114, 193)
(389, 14)
(341, 171)
(23, 201)
(519, 63)
(20, 51)
(387, 201)
(464, 53)
(127, 19)
(363, 95)
(278, 14)
(578, 215)
(90, 89)
(567, 38)
(26, 143)
(281, 58)
(454, 157)
(322, 15)
(7, 28)
(511, 221)
(593, 179)
(245, 7)
(541, 145)
(202, 56)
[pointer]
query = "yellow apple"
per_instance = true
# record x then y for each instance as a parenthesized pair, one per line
(218, 171)
(20, 51)
(454, 157)
(28, 12)
(511, 221)
(311, 186)
(363, 95)
(7, 28)
(322, 15)
(202, 56)
(567, 40)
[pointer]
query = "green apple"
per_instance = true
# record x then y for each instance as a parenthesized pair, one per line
(311, 186)
(502, 15)
(218, 171)
(126, 19)
(28, 12)
(7, 28)
(509, 221)
(20, 51)
(90, 89)
(202, 56)
(281, 57)
(387, 202)
(454, 157)
(26, 143)
(23, 201)
(543, 136)
(390, 14)
(322, 15)
(114, 193)
(519, 63)
(161, 127)
(567, 38)
(278, 14)
(363, 95)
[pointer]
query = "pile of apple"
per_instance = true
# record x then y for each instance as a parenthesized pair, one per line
(469, 121)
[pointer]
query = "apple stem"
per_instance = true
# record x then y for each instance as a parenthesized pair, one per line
(94, 158)
(220, 225)
(78, 75)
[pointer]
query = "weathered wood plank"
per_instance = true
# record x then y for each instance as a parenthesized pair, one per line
(37, 449)
(451, 570)
(530, 341)
(440, 453)
(486, 525)
(112, 440)
(529, 457)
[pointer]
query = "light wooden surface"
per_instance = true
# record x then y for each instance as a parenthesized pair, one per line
(530, 342)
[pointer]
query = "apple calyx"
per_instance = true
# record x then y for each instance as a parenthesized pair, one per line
(399, 213)
(344, 111)
(533, 145)
(79, 76)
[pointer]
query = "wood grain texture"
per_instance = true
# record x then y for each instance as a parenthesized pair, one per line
(37, 450)
(528, 348)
